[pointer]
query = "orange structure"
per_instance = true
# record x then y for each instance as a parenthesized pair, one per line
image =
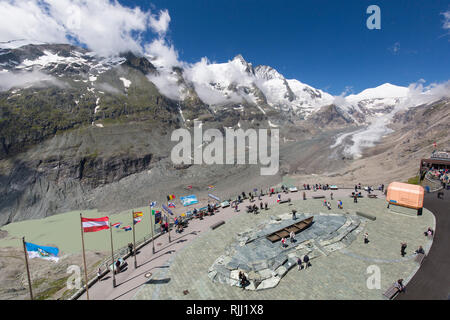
(405, 195)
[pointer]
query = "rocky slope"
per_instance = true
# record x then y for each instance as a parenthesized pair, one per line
(80, 131)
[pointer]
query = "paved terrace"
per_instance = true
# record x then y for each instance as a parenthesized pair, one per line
(432, 281)
(183, 264)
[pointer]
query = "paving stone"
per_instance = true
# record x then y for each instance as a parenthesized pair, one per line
(269, 283)
(281, 271)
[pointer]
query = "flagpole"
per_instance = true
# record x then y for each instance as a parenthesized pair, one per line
(84, 257)
(152, 226)
(134, 242)
(28, 269)
(168, 227)
(112, 255)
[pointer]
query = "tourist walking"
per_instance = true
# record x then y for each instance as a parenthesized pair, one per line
(403, 249)
(292, 236)
(331, 195)
(283, 242)
(306, 261)
(117, 267)
(366, 238)
(294, 214)
(299, 263)
(355, 198)
(130, 248)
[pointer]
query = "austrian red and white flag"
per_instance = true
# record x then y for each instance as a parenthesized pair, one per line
(94, 225)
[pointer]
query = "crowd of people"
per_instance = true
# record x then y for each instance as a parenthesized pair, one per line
(443, 175)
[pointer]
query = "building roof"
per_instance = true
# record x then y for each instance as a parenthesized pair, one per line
(436, 161)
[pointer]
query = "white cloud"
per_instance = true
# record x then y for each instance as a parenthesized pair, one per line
(27, 20)
(105, 27)
(10, 80)
(162, 54)
(167, 84)
(160, 25)
(420, 94)
(446, 22)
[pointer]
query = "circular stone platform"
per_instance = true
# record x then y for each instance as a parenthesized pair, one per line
(342, 274)
(264, 262)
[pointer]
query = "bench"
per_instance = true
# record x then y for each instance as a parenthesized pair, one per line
(217, 224)
(366, 215)
(318, 197)
(284, 201)
(391, 292)
(372, 196)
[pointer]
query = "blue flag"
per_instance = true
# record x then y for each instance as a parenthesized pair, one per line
(35, 251)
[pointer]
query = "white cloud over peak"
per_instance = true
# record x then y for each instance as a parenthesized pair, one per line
(160, 25)
(105, 27)
(27, 20)
(162, 54)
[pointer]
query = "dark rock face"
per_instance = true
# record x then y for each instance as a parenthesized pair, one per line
(139, 63)
(42, 188)
(330, 116)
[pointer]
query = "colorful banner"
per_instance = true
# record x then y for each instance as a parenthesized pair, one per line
(189, 200)
(48, 253)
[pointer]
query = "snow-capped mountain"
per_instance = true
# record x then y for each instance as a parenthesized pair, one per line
(57, 60)
(212, 87)
(238, 82)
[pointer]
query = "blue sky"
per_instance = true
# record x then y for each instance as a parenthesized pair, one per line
(325, 44)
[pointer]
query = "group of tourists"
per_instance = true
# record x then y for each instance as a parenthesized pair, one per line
(315, 187)
(291, 239)
(442, 175)
(305, 261)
